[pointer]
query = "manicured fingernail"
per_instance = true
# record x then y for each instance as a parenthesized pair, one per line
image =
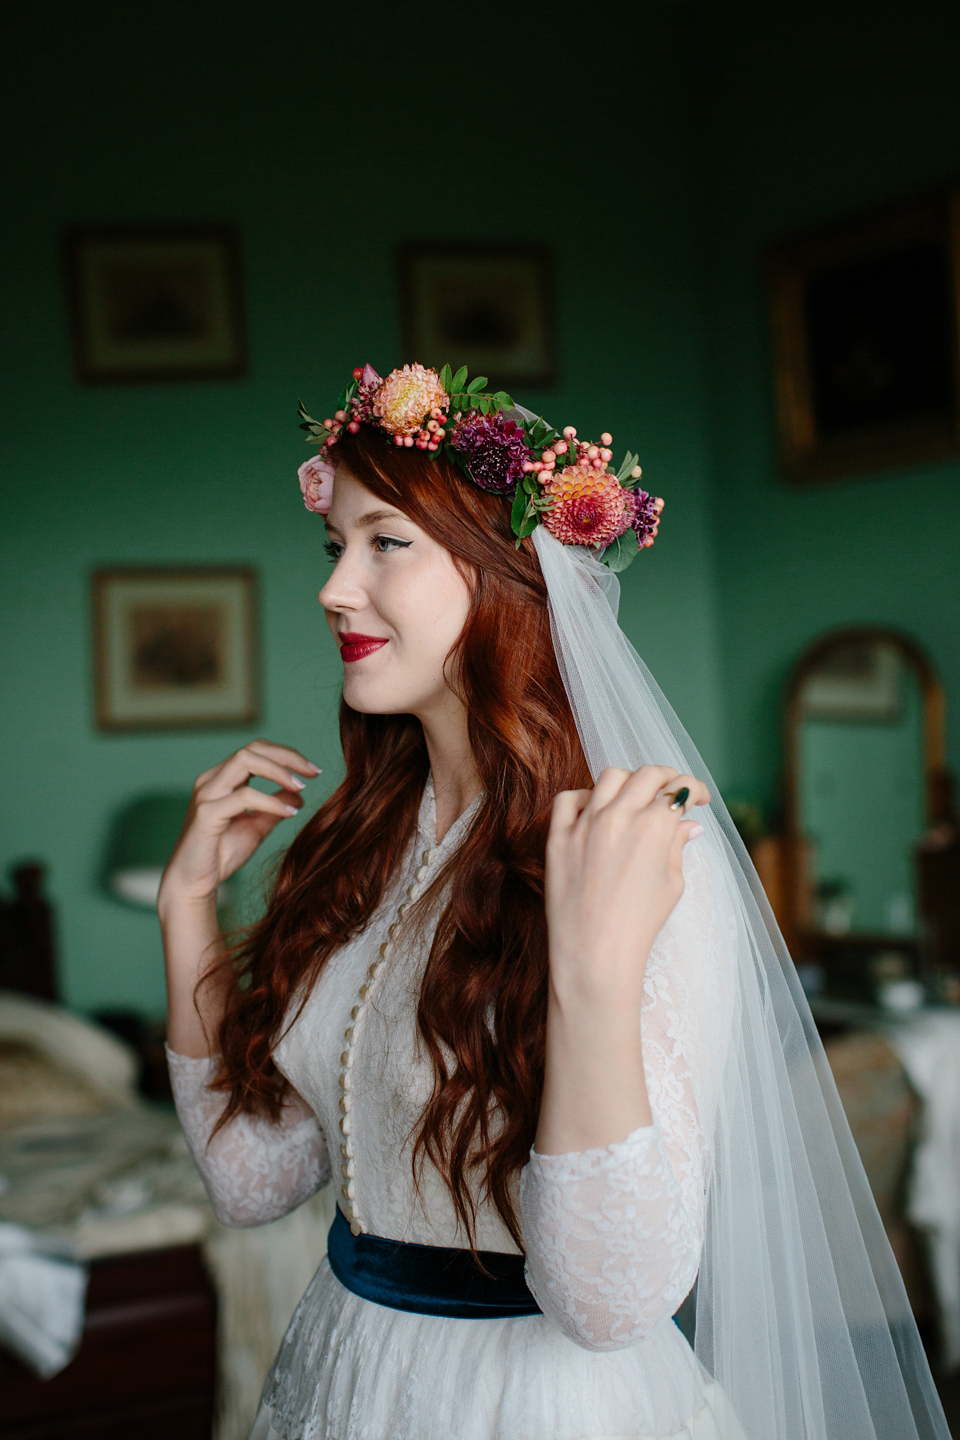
(291, 809)
(695, 830)
(296, 782)
(315, 768)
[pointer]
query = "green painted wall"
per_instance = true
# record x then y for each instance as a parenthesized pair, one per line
(687, 136)
(814, 111)
(249, 113)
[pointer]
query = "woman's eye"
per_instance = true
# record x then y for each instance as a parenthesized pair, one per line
(382, 544)
(385, 543)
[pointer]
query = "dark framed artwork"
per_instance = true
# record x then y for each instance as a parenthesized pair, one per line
(489, 307)
(152, 303)
(858, 679)
(866, 333)
(175, 647)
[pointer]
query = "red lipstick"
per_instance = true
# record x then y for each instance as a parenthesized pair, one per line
(358, 647)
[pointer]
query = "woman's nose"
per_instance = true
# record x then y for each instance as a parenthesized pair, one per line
(343, 590)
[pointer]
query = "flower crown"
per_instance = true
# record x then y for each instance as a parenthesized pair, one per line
(554, 478)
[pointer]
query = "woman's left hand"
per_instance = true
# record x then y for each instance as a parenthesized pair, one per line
(613, 875)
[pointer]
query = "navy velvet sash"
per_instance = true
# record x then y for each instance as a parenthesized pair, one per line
(429, 1279)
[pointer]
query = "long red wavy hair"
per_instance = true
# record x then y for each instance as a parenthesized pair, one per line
(482, 1006)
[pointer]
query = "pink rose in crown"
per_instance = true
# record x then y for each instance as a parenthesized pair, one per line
(316, 483)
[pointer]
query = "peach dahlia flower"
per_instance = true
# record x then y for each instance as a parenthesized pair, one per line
(590, 507)
(406, 398)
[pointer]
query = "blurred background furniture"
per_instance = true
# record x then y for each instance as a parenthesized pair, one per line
(146, 1365)
(863, 872)
(183, 1315)
(27, 957)
(863, 875)
(938, 883)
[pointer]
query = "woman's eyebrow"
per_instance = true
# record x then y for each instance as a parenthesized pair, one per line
(372, 517)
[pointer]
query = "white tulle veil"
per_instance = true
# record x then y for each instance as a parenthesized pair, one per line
(801, 1314)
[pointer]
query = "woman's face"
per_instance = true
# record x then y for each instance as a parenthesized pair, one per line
(396, 605)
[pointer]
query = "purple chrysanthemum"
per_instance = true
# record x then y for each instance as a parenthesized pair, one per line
(646, 517)
(494, 449)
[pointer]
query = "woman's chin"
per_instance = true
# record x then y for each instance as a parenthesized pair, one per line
(369, 699)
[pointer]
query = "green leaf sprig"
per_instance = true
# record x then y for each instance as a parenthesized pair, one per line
(625, 474)
(316, 433)
(621, 551)
(472, 396)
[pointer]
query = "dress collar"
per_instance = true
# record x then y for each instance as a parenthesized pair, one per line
(427, 822)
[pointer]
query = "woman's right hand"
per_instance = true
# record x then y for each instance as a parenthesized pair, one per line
(228, 818)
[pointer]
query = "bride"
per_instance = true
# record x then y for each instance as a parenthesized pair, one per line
(516, 994)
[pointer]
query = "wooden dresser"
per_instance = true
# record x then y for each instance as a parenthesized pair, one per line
(146, 1366)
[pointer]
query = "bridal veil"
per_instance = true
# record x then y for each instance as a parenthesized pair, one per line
(801, 1314)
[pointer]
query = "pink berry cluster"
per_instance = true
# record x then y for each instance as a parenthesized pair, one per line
(361, 406)
(359, 409)
(335, 425)
(430, 437)
(573, 452)
(341, 417)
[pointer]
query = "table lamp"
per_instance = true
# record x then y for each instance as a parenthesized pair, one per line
(141, 841)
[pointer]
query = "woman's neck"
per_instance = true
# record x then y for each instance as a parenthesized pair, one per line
(455, 778)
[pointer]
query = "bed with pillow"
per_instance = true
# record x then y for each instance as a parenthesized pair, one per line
(125, 1307)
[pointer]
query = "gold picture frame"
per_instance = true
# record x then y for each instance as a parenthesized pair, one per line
(175, 647)
(865, 320)
(489, 307)
(152, 303)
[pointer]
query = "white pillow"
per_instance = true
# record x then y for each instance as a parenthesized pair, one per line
(71, 1043)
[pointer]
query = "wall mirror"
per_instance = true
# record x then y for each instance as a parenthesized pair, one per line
(864, 777)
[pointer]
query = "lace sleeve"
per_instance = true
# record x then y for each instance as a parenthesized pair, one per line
(613, 1236)
(254, 1170)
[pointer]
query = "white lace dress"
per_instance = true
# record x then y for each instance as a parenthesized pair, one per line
(612, 1236)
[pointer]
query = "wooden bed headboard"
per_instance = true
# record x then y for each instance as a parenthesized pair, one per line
(28, 962)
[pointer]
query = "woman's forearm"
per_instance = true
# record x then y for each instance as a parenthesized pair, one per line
(192, 943)
(594, 1091)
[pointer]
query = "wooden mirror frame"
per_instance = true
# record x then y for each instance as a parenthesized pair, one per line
(796, 919)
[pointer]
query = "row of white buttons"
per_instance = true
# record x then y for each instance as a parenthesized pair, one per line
(347, 1188)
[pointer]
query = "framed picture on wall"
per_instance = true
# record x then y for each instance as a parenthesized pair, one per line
(858, 679)
(152, 303)
(489, 307)
(866, 330)
(175, 648)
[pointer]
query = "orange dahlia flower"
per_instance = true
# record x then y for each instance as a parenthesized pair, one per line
(590, 507)
(406, 398)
